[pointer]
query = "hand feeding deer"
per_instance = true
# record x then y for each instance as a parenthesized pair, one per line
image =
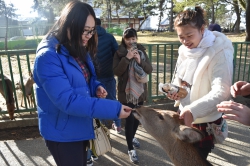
(8, 95)
(174, 137)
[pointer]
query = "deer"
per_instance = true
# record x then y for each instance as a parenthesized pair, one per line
(173, 136)
(27, 90)
(8, 95)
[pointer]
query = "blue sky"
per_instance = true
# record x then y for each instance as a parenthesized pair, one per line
(23, 7)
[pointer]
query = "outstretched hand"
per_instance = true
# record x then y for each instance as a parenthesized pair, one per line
(187, 116)
(235, 111)
(240, 88)
(125, 112)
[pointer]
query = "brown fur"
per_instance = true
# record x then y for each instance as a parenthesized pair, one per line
(174, 137)
(10, 102)
(28, 86)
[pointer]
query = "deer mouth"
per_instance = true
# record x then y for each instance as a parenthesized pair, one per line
(136, 114)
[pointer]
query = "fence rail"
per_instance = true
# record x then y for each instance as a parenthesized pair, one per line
(17, 64)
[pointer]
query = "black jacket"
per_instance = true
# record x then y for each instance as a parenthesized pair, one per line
(107, 46)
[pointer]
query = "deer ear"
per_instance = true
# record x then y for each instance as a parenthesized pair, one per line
(188, 134)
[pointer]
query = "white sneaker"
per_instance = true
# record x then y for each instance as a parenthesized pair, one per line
(133, 156)
(136, 143)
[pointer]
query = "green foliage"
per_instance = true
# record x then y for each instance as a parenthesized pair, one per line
(115, 30)
(243, 4)
(7, 10)
(49, 8)
(21, 44)
(126, 7)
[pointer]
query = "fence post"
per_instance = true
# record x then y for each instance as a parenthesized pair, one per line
(150, 75)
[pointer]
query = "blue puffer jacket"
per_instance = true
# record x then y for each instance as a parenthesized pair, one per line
(66, 104)
(107, 46)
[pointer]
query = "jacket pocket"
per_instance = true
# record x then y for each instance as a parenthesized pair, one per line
(62, 121)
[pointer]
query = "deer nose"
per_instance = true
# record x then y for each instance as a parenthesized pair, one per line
(133, 111)
(138, 106)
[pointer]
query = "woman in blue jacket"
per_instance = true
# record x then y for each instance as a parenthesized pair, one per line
(68, 95)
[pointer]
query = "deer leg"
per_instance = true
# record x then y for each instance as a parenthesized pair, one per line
(28, 99)
(22, 99)
(32, 101)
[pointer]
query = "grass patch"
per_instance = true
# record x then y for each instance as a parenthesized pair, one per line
(166, 37)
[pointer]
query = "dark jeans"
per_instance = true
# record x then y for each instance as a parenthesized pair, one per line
(68, 153)
(131, 126)
(110, 86)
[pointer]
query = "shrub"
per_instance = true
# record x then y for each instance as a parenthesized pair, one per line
(21, 44)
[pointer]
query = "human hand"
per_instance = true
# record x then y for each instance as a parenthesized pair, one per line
(187, 116)
(101, 92)
(137, 57)
(131, 53)
(240, 88)
(235, 111)
(173, 96)
(125, 112)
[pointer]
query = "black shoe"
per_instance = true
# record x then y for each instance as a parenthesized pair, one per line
(89, 162)
(94, 158)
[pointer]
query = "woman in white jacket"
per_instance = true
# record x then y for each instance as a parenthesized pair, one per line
(205, 67)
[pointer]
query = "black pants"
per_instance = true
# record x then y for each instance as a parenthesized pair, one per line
(131, 126)
(68, 153)
(204, 151)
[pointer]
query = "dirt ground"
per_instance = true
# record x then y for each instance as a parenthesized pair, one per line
(20, 133)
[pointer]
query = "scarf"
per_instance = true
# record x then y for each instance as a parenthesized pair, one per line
(134, 89)
(191, 57)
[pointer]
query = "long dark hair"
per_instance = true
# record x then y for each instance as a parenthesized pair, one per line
(73, 17)
(129, 32)
(194, 16)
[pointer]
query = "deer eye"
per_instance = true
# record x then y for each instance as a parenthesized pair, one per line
(160, 116)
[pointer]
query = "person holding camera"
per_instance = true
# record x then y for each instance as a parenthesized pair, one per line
(131, 64)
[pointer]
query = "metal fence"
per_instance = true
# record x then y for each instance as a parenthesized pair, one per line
(16, 66)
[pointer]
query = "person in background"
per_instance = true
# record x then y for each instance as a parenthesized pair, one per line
(236, 111)
(214, 27)
(107, 46)
(128, 59)
(68, 94)
(205, 67)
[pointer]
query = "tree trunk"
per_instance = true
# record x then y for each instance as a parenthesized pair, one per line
(212, 14)
(6, 34)
(159, 24)
(233, 27)
(51, 16)
(247, 20)
(171, 19)
(237, 12)
(110, 13)
(141, 24)
(117, 14)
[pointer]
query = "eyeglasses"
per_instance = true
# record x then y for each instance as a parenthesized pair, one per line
(91, 32)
